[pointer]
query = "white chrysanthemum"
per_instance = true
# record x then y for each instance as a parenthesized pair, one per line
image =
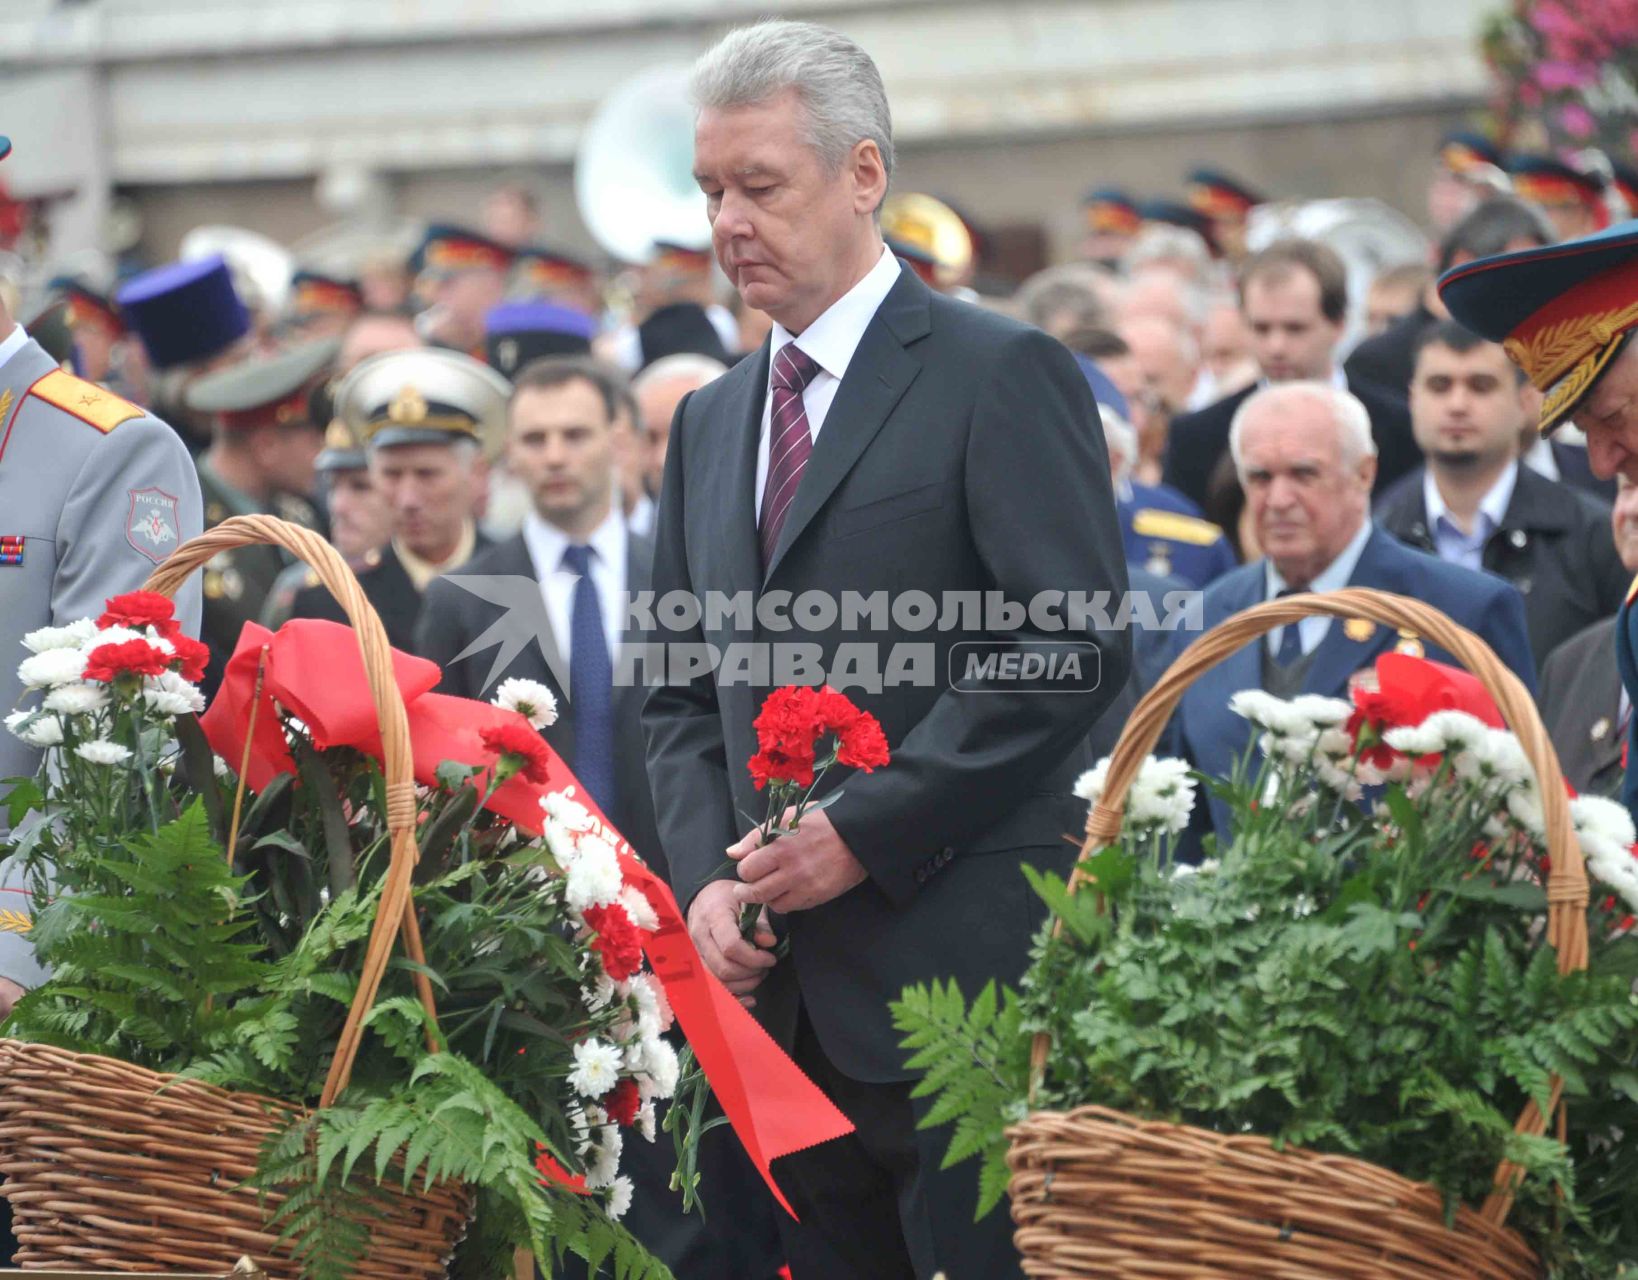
(170, 695)
(42, 731)
(1263, 708)
(594, 876)
(1455, 730)
(1601, 817)
(1524, 807)
(599, 994)
(120, 635)
(639, 908)
(619, 1198)
(1334, 742)
(1205, 866)
(51, 668)
(1495, 757)
(72, 636)
(1089, 786)
(1345, 782)
(77, 699)
(660, 1069)
(651, 997)
(1320, 711)
(103, 752)
(1414, 740)
(1161, 795)
(596, 1068)
(529, 698)
(603, 1158)
(647, 1123)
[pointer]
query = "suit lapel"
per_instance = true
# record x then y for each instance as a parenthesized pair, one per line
(742, 421)
(1339, 655)
(878, 374)
(639, 557)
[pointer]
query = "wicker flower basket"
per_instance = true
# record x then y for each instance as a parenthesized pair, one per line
(1098, 1193)
(110, 1166)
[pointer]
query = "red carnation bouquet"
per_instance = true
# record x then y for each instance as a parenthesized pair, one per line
(794, 724)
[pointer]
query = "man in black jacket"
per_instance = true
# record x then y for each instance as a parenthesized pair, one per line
(1295, 298)
(1476, 505)
(885, 443)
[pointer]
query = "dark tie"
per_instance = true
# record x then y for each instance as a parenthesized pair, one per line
(1290, 639)
(591, 684)
(789, 441)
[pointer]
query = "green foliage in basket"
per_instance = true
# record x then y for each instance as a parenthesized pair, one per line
(1364, 980)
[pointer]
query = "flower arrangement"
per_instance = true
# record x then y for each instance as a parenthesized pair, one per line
(193, 933)
(1568, 69)
(1359, 978)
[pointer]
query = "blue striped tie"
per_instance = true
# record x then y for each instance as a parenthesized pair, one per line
(1290, 637)
(591, 684)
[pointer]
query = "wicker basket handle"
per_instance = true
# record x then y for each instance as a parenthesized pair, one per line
(1567, 893)
(395, 910)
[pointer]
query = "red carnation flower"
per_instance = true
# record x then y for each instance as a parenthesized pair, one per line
(617, 941)
(622, 1102)
(519, 747)
(776, 766)
(191, 655)
(139, 609)
(863, 745)
(128, 657)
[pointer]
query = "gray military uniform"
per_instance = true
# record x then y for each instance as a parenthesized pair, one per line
(99, 493)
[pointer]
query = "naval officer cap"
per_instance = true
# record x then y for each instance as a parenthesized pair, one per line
(425, 396)
(1561, 312)
(271, 391)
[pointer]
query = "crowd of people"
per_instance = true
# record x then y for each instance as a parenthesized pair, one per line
(476, 417)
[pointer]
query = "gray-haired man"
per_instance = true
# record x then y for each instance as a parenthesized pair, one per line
(884, 441)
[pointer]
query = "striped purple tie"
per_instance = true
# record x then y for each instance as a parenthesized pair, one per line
(789, 443)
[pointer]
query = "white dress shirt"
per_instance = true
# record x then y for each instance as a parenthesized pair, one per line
(1454, 545)
(830, 342)
(12, 343)
(1334, 577)
(547, 543)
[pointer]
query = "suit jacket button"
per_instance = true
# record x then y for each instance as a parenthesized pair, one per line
(921, 875)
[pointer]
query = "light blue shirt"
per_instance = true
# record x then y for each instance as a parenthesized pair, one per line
(1467, 549)
(1334, 577)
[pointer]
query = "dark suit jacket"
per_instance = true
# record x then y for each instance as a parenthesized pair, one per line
(1388, 360)
(1149, 654)
(1211, 737)
(962, 453)
(1198, 440)
(1581, 704)
(387, 585)
(453, 617)
(1554, 544)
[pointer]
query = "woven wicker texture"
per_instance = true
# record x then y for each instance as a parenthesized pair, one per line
(109, 1165)
(1096, 1193)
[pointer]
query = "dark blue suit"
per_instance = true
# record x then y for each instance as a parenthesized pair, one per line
(1211, 737)
(1196, 551)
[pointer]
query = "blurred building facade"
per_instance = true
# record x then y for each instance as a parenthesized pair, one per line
(284, 116)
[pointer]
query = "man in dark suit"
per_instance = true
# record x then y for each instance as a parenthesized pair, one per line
(1304, 453)
(1295, 298)
(1476, 505)
(886, 443)
(1583, 705)
(549, 605)
(430, 420)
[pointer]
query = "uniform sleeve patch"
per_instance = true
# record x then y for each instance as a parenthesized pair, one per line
(85, 400)
(153, 525)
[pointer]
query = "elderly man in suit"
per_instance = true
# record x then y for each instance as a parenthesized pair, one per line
(1306, 458)
(1294, 295)
(884, 442)
(549, 605)
(1582, 702)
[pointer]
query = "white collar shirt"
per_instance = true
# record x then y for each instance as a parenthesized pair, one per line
(1334, 577)
(1453, 544)
(547, 543)
(12, 343)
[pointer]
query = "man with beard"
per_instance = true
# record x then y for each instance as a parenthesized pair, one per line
(1476, 505)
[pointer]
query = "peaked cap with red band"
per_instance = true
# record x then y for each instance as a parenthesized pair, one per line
(1562, 312)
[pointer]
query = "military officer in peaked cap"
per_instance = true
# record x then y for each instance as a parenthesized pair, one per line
(94, 492)
(1566, 315)
(431, 421)
(260, 462)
